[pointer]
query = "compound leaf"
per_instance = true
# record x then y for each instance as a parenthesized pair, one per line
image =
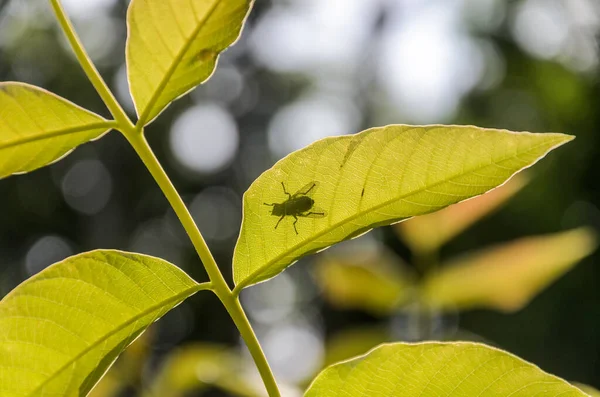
(377, 177)
(38, 127)
(436, 369)
(64, 327)
(172, 46)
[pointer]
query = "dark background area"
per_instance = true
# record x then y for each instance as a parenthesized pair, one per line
(303, 70)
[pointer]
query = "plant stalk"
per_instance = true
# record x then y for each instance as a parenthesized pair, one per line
(137, 140)
(219, 285)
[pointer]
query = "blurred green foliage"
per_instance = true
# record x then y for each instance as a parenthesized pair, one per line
(45, 218)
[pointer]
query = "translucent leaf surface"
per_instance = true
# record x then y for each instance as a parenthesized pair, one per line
(173, 45)
(508, 276)
(63, 328)
(438, 369)
(380, 176)
(373, 282)
(38, 127)
(429, 232)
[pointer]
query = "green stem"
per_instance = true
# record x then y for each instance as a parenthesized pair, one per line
(136, 138)
(219, 285)
(88, 67)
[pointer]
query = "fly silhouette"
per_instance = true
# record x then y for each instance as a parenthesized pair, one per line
(299, 204)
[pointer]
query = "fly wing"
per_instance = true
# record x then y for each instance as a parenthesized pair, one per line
(314, 212)
(307, 190)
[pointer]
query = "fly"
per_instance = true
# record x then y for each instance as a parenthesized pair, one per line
(299, 204)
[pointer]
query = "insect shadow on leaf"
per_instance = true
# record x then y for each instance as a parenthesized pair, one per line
(299, 204)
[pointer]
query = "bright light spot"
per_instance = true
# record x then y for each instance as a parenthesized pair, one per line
(295, 351)
(426, 63)
(307, 120)
(309, 35)
(226, 85)
(204, 138)
(541, 27)
(121, 88)
(271, 302)
(46, 251)
(87, 8)
(87, 186)
(217, 212)
(486, 15)
(99, 36)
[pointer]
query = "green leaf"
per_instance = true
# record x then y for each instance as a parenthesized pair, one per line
(378, 177)
(172, 46)
(371, 281)
(38, 127)
(64, 327)
(508, 276)
(427, 233)
(435, 369)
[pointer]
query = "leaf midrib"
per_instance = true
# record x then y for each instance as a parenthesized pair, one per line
(167, 77)
(182, 295)
(248, 280)
(54, 134)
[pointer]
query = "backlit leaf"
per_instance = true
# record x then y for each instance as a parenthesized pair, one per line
(429, 232)
(65, 326)
(378, 177)
(508, 276)
(173, 45)
(38, 127)
(435, 369)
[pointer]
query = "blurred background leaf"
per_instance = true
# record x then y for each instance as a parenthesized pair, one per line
(428, 233)
(372, 281)
(588, 389)
(506, 277)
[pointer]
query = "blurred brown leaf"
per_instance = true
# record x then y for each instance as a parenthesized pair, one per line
(427, 233)
(508, 276)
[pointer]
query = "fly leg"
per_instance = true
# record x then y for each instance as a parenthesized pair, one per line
(307, 191)
(307, 214)
(279, 221)
(296, 221)
(270, 205)
(285, 191)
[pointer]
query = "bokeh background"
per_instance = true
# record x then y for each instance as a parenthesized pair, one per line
(304, 70)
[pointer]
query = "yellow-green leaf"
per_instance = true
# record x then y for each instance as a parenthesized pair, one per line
(377, 177)
(38, 127)
(427, 233)
(373, 282)
(435, 369)
(172, 46)
(65, 326)
(508, 276)
(199, 366)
